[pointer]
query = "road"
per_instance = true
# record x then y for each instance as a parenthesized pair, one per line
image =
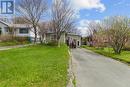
(94, 70)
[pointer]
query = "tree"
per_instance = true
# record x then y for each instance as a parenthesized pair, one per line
(93, 27)
(95, 32)
(75, 31)
(12, 31)
(32, 11)
(43, 29)
(62, 17)
(117, 32)
(19, 20)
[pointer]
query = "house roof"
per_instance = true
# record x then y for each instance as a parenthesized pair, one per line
(20, 25)
(15, 25)
(73, 34)
(4, 23)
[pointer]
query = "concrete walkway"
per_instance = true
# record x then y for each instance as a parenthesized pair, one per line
(94, 70)
(11, 47)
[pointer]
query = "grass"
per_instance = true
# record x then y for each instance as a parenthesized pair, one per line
(12, 43)
(34, 66)
(124, 56)
(74, 81)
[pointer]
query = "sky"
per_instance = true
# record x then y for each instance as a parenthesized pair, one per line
(96, 10)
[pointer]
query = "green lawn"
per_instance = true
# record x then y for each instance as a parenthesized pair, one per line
(34, 66)
(124, 56)
(12, 43)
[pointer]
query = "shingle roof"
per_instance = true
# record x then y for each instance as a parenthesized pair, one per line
(4, 23)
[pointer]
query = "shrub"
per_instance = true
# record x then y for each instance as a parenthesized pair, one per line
(6, 38)
(22, 39)
(52, 43)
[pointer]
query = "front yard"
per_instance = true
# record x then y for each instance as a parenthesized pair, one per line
(34, 66)
(124, 56)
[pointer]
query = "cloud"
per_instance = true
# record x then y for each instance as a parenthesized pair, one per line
(83, 26)
(89, 4)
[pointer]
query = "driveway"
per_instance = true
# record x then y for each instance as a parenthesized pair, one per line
(94, 70)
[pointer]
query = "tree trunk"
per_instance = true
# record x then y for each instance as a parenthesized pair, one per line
(41, 40)
(35, 32)
(117, 50)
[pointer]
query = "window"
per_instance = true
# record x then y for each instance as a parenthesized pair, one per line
(23, 30)
(6, 29)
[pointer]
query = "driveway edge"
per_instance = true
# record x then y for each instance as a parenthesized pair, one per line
(71, 82)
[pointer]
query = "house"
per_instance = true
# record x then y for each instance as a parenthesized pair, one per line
(64, 38)
(25, 30)
(3, 28)
(19, 30)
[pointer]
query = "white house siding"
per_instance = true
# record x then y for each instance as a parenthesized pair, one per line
(29, 34)
(17, 27)
(3, 28)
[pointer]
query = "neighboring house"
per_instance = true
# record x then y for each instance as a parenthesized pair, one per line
(74, 37)
(64, 38)
(20, 30)
(3, 28)
(25, 30)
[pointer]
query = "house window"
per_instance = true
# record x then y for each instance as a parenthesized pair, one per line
(6, 29)
(23, 31)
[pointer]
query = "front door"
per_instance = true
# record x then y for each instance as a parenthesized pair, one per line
(78, 44)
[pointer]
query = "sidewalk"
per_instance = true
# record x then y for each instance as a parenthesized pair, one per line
(11, 47)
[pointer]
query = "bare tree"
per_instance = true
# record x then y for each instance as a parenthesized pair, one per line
(19, 20)
(75, 30)
(12, 31)
(117, 32)
(93, 27)
(43, 29)
(62, 17)
(32, 11)
(94, 32)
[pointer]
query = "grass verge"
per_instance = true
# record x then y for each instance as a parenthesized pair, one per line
(123, 57)
(74, 81)
(34, 66)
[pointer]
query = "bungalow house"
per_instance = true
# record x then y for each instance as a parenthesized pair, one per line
(64, 38)
(3, 27)
(25, 30)
(20, 30)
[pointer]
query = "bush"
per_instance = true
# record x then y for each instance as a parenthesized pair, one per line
(6, 38)
(22, 39)
(52, 43)
(126, 48)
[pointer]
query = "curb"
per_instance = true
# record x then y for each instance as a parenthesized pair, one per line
(70, 72)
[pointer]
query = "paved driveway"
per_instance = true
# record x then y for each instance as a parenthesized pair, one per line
(94, 70)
